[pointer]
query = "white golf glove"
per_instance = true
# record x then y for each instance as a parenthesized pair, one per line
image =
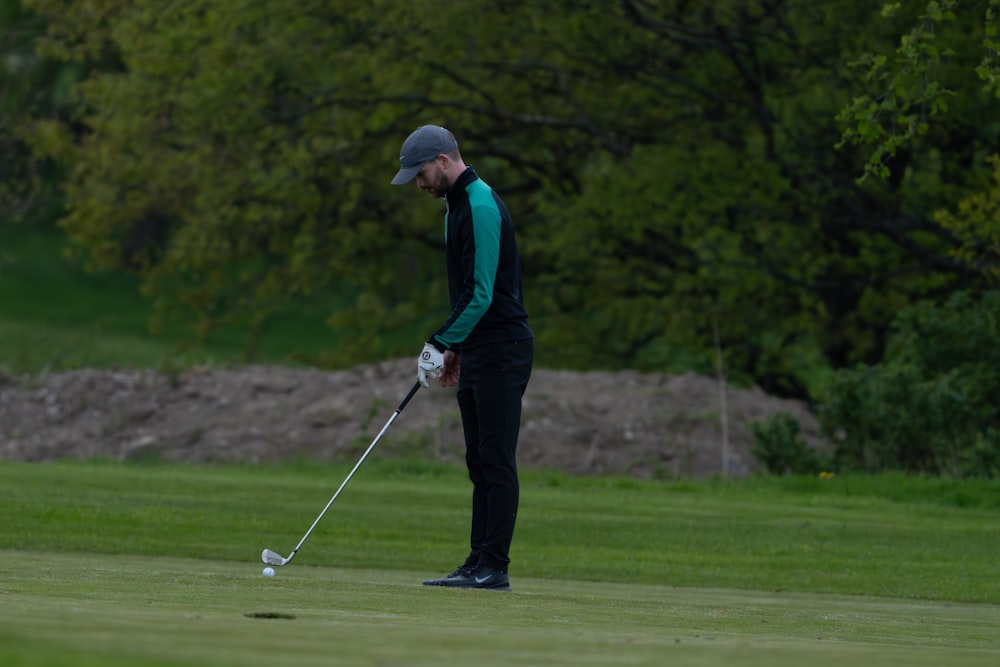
(429, 364)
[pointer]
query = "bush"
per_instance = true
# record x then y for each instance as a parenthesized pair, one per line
(930, 406)
(780, 448)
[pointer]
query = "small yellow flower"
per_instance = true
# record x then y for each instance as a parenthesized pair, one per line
(827, 475)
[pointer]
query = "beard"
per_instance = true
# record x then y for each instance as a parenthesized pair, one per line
(439, 186)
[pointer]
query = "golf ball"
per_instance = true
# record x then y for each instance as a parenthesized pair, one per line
(268, 571)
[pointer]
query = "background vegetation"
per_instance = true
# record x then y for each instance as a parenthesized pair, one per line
(800, 185)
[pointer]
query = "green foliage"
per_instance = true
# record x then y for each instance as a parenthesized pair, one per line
(56, 317)
(919, 101)
(976, 223)
(650, 256)
(670, 171)
(779, 446)
(223, 177)
(30, 86)
(989, 67)
(910, 90)
(930, 406)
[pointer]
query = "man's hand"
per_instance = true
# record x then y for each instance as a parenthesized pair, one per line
(429, 364)
(449, 375)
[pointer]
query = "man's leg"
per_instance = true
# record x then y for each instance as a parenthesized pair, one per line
(470, 427)
(493, 380)
(497, 388)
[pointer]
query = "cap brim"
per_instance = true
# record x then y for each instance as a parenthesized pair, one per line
(406, 174)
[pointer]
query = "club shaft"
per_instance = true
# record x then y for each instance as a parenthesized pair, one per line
(357, 465)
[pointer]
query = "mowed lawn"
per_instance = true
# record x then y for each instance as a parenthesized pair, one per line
(157, 564)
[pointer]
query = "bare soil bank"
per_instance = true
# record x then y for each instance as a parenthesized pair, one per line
(584, 423)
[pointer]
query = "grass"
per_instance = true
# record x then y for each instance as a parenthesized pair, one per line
(218, 613)
(115, 564)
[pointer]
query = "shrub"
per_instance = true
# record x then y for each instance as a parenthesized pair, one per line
(780, 448)
(930, 406)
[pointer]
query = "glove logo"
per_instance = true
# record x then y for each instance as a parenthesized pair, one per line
(426, 355)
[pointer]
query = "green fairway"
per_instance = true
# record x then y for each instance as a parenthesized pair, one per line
(107, 564)
(120, 609)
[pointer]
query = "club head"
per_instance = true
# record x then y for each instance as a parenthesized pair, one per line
(272, 558)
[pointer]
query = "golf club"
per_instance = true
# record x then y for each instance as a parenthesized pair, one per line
(274, 558)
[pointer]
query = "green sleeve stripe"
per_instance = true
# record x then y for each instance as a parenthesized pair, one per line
(486, 230)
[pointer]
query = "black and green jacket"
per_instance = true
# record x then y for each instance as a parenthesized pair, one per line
(484, 269)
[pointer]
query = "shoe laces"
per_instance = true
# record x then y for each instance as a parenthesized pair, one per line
(463, 571)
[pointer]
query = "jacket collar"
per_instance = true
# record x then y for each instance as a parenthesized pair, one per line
(458, 187)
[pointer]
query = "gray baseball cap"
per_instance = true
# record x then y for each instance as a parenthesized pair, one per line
(423, 145)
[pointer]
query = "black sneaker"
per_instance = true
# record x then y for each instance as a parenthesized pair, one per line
(462, 571)
(480, 577)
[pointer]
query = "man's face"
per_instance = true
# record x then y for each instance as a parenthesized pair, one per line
(432, 178)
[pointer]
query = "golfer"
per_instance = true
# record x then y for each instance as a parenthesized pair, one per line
(485, 346)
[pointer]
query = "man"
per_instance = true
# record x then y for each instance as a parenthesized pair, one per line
(485, 346)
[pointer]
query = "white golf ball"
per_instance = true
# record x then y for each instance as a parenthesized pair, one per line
(268, 571)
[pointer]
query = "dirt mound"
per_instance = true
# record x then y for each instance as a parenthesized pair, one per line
(587, 423)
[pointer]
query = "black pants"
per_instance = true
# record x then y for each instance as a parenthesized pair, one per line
(491, 384)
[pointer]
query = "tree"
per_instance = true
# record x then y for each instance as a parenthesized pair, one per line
(30, 86)
(214, 164)
(740, 213)
(670, 165)
(931, 96)
(928, 405)
(923, 86)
